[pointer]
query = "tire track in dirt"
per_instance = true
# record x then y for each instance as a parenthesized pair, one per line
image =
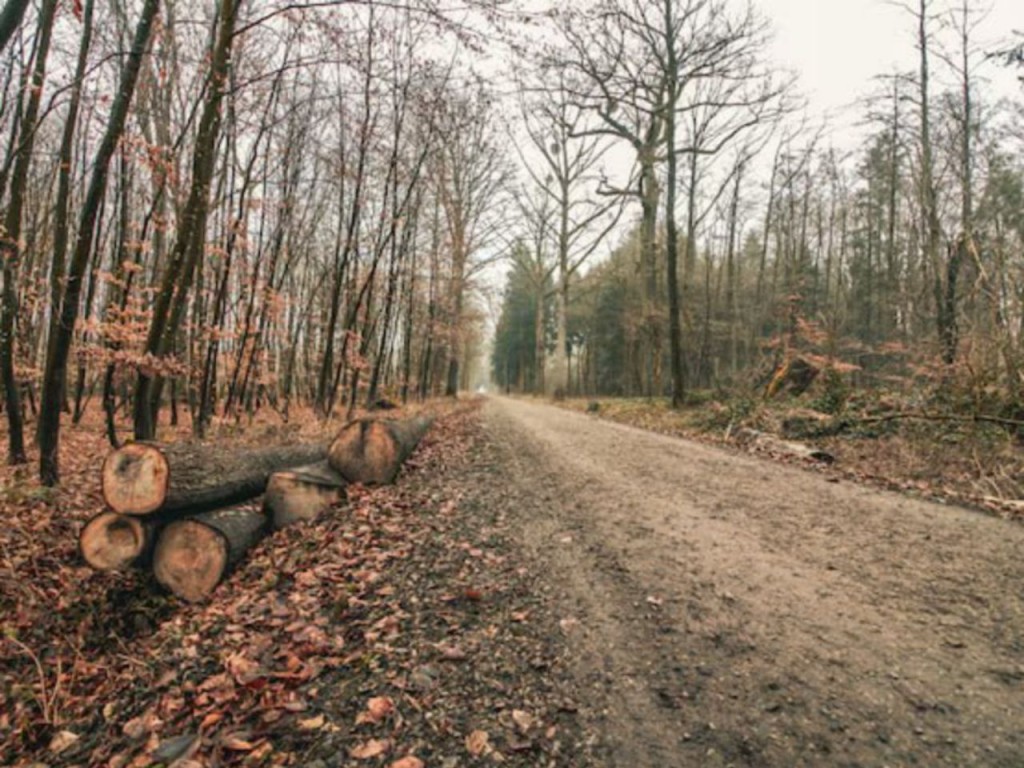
(724, 610)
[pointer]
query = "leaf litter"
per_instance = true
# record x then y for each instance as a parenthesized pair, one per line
(399, 630)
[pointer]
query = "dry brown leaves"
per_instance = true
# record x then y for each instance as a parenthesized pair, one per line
(103, 668)
(313, 646)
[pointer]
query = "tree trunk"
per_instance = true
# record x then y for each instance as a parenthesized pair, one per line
(172, 480)
(675, 331)
(62, 223)
(193, 556)
(10, 19)
(732, 276)
(929, 190)
(650, 193)
(113, 542)
(10, 236)
(188, 247)
(539, 347)
(303, 493)
(372, 450)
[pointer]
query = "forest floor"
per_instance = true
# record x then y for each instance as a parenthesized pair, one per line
(404, 629)
(541, 588)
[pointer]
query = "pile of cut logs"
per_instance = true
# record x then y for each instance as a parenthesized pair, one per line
(174, 507)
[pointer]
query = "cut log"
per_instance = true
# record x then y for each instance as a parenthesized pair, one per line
(774, 445)
(113, 542)
(303, 493)
(147, 478)
(803, 423)
(192, 556)
(372, 450)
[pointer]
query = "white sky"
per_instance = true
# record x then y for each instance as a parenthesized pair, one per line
(838, 46)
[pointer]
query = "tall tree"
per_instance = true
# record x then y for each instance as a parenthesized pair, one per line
(11, 236)
(191, 236)
(570, 177)
(470, 176)
(610, 75)
(56, 363)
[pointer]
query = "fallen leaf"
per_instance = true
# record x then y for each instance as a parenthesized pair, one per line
(135, 728)
(372, 748)
(478, 743)
(236, 743)
(257, 757)
(312, 723)
(62, 741)
(177, 747)
(210, 720)
(452, 652)
(377, 709)
(296, 705)
(523, 720)
(408, 762)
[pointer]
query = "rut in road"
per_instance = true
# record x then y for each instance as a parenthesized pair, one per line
(724, 610)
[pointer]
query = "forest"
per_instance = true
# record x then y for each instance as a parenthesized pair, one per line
(244, 239)
(212, 210)
(890, 264)
(209, 210)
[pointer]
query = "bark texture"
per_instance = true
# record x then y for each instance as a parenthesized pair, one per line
(372, 450)
(172, 480)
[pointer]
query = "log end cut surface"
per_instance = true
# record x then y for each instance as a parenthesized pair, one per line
(190, 559)
(110, 541)
(135, 479)
(303, 494)
(365, 451)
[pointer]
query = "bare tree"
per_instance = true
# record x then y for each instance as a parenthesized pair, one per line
(611, 74)
(691, 60)
(570, 178)
(11, 235)
(56, 363)
(470, 176)
(191, 236)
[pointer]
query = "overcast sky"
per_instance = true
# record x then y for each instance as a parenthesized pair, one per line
(838, 46)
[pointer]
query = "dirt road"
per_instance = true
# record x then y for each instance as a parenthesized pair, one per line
(724, 610)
